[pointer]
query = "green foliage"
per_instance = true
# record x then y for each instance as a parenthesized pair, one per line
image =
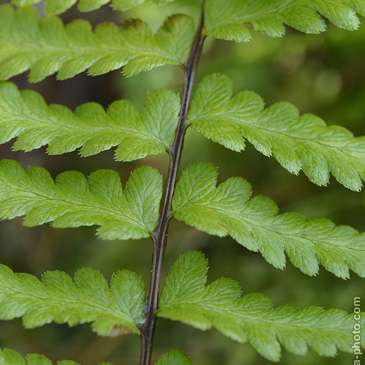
(86, 299)
(90, 127)
(255, 224)
(228, 19)
(45, 46)
(11, 357)
(54, 7)
(250, 318)
(73, 201)
(297, 142)
(174, 357)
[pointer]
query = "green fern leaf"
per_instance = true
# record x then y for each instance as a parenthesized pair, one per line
(11, 357)
(26, 115)
(86, 299)
(45, 46)
(231, 19)
(255, 224)
(25, 2)
(297, 142)
(251, 318)
(36, 359)
(73, 201)
(174, 357)
(128, 4)
(55, 7)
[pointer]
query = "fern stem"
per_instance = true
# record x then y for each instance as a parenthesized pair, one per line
(160, 235)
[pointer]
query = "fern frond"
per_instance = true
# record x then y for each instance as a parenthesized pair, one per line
(232, 19)
(297, 142)
(73, 201)
(85, 299)
(250, 318)
(174, 357)
(137, 134)
(255, 224)
(45, 46)
(11, 357)
(55, 7)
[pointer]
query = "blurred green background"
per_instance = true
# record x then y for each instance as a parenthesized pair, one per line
(322, 74)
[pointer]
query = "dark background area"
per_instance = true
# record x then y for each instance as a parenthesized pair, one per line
(321, 74)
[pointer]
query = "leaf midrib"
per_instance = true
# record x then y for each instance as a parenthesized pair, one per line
(240, 122)
(233, 315)
(118, 213)
(69, 127)
(242, 17)
(248, 221)
(21, 295)
(102, 50)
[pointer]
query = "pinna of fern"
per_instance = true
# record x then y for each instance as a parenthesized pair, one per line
(8, 356)
(228, 19)
(120, 308)
(46, 46)
(73, 201)
(54, 7)
(297, 142)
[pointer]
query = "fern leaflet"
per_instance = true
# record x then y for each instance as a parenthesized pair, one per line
(54, 7)
(86, 299)
(228, 19)
(45, 46)
(297, 142)
(255, 224)
(11, 357)
(250, 318)
(174, 357)
(26, 115)
(73, 201)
